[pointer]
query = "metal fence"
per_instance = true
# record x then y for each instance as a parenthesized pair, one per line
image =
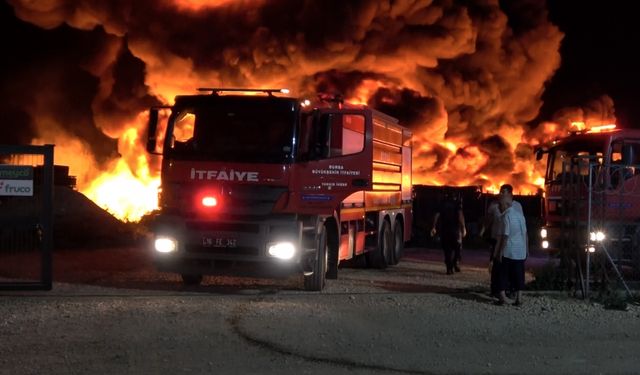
(26, 217)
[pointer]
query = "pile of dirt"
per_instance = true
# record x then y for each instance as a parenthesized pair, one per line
(77, 221)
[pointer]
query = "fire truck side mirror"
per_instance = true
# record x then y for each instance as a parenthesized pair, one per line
(539, 154)
(152, 129)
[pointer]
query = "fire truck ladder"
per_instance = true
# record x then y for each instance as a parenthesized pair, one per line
(217, 90)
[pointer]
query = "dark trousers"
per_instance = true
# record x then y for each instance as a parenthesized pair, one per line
(496, 275)
(512, 274)
(451, 246)
(495, 269)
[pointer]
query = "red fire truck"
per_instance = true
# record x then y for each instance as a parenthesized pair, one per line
(258, 184)
(592, 192)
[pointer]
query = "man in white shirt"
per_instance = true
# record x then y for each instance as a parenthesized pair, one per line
(512, 249)
(492, 223)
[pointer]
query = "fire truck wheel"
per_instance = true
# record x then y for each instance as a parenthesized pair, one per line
(332, 262)
(398, 243)
(191, 279)
(635, 251)
(315, 281)
(381, 256)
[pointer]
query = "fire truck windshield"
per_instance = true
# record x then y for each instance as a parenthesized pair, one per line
(574, 158)
(255, 131)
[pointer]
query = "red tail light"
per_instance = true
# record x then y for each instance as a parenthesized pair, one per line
(209, 201)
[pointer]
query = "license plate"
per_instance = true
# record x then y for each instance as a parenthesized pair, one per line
(219, 242)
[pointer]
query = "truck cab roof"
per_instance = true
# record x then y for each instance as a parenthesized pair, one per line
(183, 101)
(596, 138)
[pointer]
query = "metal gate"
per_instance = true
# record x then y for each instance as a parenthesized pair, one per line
(600, 206)
(26, 217)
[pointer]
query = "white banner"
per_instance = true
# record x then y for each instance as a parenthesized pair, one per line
(16, 187)
(16, 180)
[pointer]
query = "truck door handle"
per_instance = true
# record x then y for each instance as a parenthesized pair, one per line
(360, 182)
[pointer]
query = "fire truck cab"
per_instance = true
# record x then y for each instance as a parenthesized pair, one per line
(258, 184)
(592, 186)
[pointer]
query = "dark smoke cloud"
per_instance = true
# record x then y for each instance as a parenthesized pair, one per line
(24, 130)
(339, 82)
(71, 87)
(501, 156)
(44, 87)
(456, 72)
(408, 106)
(123, 92)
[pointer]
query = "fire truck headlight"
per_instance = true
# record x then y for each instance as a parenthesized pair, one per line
(597, 236)
(543, 233)
(282, 250)
(545, 244)
(166, 244)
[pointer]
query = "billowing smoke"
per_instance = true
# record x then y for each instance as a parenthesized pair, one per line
(467, 77)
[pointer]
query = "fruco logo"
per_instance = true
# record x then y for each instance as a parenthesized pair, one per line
(231, 175)
(14, 189)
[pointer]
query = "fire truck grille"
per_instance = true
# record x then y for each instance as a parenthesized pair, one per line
(234, 200)
(249, 200)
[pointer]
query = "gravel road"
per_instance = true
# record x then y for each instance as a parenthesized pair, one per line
(108, 319)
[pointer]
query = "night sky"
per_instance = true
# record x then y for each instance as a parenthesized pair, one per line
(599, 56)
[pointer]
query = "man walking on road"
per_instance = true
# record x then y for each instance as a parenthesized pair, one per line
(448, 222)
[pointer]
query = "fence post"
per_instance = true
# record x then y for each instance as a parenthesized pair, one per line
(47, 217)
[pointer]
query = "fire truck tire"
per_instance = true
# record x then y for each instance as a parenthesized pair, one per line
(398, 243)
(635, 251)
(191, 279)
(332, 261)
(381, 256)
(315, 281)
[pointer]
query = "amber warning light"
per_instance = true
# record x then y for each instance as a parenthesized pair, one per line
(602, 128)
(581, 126)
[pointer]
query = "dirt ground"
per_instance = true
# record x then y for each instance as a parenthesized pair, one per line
(111, 312)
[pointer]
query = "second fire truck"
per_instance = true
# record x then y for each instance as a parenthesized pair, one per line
(592, 193)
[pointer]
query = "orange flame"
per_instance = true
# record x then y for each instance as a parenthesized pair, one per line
(128, 189)
(198, 5)
(125, 195)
